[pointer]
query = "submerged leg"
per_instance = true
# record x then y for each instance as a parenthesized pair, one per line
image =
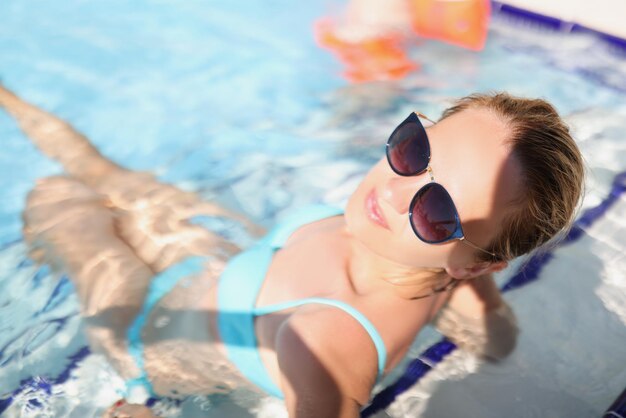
(71, 229)
(60, 141)
(154, 217)
(57, 139)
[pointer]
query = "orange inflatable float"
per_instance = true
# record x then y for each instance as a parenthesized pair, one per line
(370, 59)
(383, 56)
(459, 22)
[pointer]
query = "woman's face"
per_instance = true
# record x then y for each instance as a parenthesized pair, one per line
(470, 158)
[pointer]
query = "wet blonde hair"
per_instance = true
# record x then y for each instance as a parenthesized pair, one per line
(553, 175)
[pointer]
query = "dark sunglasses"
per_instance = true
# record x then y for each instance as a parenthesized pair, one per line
(432, 213)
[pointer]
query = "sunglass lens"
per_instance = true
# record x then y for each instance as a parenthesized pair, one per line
(433, 215)
(408, 151)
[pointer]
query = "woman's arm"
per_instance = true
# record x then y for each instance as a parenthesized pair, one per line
(327, 363)
(478, 319)
(475, 297)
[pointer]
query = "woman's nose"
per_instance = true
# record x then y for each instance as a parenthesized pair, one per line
(399, 191)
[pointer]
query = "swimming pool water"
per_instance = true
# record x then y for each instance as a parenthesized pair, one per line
(235, 101)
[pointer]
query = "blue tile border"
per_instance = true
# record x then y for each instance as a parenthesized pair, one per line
(552, 23)
(618, 408)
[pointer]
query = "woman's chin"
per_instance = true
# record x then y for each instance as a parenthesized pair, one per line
(354, 215)
(360, 228)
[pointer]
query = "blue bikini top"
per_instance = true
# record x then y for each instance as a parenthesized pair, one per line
(238, 291)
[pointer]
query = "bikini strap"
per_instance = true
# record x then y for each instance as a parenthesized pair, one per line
(161, 284)
(362, 319)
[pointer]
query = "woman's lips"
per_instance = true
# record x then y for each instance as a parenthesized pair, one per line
(373, 211)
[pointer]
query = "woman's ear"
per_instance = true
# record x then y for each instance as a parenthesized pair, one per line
(475, 270)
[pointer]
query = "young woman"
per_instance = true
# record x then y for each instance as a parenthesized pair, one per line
(329, 300)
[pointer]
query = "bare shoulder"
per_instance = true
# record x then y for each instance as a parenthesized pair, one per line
(330, 351)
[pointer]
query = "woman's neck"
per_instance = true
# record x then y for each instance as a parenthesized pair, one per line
(371, 272)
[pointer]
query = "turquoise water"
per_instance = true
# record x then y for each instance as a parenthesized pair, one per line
(235, 101)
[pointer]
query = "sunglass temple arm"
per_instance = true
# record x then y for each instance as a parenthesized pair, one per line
(423, 116)
(464, 240)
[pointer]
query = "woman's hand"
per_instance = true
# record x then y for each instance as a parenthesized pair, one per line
(121, 409)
